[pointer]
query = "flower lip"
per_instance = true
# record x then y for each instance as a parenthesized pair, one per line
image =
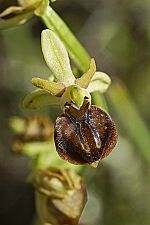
(86, 135)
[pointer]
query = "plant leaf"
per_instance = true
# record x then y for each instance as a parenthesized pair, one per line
(86, 78)
(56, 57)
(100, 82)
(38, 99)
(130, 118)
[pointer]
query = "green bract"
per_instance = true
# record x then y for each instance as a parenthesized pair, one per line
(67, 89)
(39, 98)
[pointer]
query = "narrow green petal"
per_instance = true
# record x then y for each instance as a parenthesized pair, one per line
(53, 88)
(38, 99)
(15, 15)
(100, 82)
(11, 10)
(56, 57)
(15, 20)
(87, 77)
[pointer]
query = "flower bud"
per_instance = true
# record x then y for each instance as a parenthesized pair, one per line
(36, 128)
(60, 197)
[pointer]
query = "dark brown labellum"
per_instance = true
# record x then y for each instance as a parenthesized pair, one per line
(86, 135)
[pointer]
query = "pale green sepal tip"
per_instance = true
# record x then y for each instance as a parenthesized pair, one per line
(56, 57)
(100, 82)
(38, 99)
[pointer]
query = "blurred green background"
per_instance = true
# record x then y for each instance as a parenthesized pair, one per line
(117, 34)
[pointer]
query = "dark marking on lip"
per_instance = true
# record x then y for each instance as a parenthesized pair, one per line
(86, 135)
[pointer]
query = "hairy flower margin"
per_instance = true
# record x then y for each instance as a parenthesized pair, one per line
(89, 134)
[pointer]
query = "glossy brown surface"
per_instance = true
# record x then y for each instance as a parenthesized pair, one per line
(86, 135)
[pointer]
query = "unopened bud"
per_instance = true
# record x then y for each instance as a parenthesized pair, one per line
(61, 196)
(36, 128)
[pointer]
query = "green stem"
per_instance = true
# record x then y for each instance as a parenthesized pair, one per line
(77, 52)
(99, 100)
(130, 119)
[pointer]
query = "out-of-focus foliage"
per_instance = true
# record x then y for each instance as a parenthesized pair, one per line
(117, 35)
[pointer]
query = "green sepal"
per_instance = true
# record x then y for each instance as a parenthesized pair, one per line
(56, 57)
(100, 82)
(38, 99)
(26, 3)
(17, 15)
(53, 88)
(86, 78)
(12, 10)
